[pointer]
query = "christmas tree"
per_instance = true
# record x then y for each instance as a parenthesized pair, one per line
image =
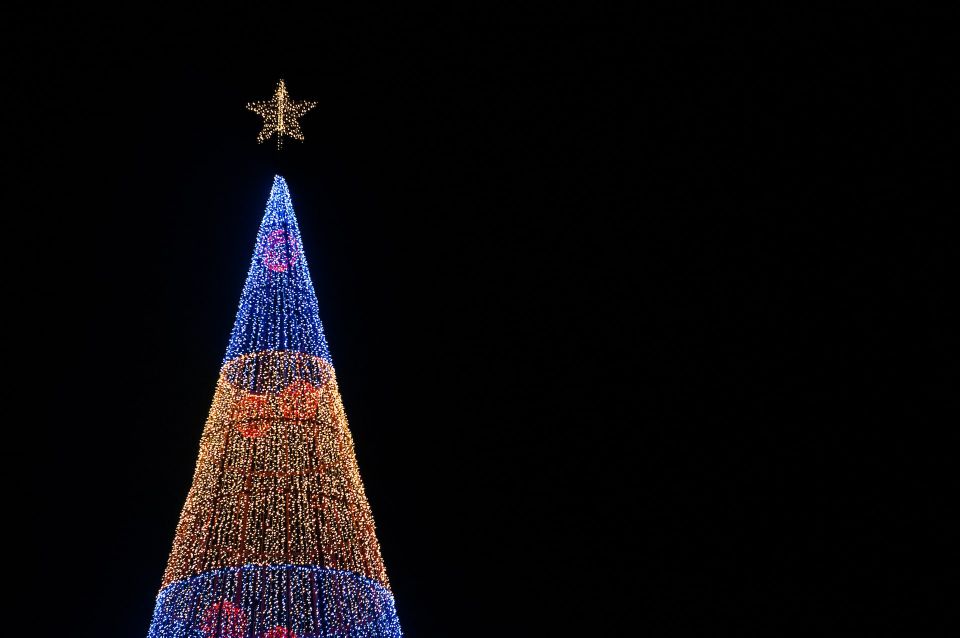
(276, 539)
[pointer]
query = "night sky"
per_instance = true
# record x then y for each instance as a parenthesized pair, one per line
(612, 299)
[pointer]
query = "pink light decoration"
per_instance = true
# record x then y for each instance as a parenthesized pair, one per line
(280, 251)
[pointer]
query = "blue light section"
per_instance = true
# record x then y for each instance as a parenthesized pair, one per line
(278, 308)
(275, 600)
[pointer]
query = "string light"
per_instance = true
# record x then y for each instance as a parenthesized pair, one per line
(283, 601)
(280, 115)
(276, 539)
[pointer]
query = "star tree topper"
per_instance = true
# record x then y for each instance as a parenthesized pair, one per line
(280, 115)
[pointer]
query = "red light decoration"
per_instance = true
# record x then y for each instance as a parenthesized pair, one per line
(223, 620)
(279, 632)
(300, 400)
(253, 415)
(280, 251)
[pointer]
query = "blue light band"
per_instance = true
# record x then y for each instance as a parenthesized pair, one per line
(278, 309)
(275, 600)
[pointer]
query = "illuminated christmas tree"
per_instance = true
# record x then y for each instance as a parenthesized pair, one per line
(276, 539)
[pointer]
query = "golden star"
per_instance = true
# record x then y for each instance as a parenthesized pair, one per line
(280, 115)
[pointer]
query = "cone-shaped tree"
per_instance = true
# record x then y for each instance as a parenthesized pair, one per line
(276, 539)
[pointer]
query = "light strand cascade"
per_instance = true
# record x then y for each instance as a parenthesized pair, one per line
(276, 538)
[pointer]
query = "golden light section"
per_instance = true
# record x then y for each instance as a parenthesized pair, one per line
(277, 479)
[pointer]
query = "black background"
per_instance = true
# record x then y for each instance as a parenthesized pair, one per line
(621, 305)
